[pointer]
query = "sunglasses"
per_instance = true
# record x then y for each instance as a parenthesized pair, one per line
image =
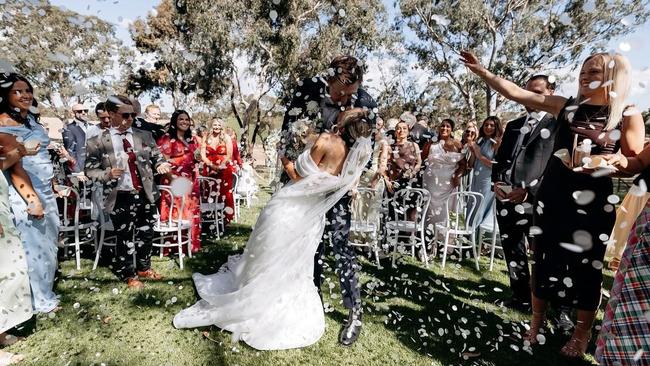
(127, 115)
(81, 111)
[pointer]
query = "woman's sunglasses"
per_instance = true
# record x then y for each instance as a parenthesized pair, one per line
(127, 115)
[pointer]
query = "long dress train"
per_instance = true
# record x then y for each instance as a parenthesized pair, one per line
(266, 296)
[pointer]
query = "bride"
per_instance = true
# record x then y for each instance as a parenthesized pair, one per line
(266, 296)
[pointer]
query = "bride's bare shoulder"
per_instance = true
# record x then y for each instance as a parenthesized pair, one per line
(327, 140)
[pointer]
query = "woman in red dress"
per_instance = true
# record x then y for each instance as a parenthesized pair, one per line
(179, 147)
(216, 153)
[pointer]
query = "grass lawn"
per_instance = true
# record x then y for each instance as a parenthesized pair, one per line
(413, 316)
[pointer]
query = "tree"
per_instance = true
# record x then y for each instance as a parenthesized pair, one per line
(67, 55)
(514, 38)
(283, 41)
(186, 62)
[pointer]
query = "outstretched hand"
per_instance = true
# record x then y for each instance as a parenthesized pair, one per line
(471, 61)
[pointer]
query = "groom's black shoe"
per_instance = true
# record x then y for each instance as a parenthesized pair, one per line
(352, 328)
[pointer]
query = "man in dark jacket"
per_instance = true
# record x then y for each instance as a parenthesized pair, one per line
(526, 147)
(321, 99)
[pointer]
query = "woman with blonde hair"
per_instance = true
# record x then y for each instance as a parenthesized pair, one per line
(575, 212)
(216, 154)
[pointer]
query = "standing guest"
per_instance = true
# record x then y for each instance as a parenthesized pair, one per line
(517, 170)
(444, 165)
(236, 162)
(179, 148)
(404, 160)
(421, 133)
(367, 207)
(39, 236)
(322, 98)
(104, 121)
(623, 338)
(570, 250)
(150, 121)
(15, 297)
(74, 136)
(123, 160)
(216, 154)
(482, 154)
(467, 139)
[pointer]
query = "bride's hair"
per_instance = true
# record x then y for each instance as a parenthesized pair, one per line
(355, 124)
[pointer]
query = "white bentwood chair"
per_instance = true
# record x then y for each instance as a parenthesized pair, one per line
(403, 201)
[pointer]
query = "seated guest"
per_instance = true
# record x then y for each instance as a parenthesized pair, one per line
(444, 165)
(482, 154)
(216, 153)
(39, 233)
(123, 160)
(179, 148)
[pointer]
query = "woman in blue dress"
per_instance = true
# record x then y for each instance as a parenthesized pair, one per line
(39, 236)
(483, 151)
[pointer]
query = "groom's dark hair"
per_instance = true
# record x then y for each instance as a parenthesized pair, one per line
(355, 124)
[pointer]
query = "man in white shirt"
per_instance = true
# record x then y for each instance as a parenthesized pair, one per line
(123, 160)
(104, 122)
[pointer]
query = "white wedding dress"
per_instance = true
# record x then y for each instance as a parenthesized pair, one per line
(266, 296)
(440, 167)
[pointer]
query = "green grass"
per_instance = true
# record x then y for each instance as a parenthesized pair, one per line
(413, 316)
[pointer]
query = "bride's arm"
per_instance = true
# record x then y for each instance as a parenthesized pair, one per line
(290, 169)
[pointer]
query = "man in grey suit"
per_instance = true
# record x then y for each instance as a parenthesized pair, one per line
(74, 136)
(526, 147)
(122, 160)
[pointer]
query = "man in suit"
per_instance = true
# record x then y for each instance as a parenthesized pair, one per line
(141, 123)
(123, 159)
(74, 136)
(321, 99)
(526, 147)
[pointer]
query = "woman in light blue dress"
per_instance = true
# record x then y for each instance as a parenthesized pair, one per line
(39, 237)
(483, 152)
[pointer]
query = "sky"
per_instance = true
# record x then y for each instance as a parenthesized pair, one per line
(636, 46)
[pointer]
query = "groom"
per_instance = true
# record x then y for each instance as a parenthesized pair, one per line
(322, 98)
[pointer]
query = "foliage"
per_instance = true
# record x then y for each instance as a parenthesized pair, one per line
(514, 38)
(67, 55)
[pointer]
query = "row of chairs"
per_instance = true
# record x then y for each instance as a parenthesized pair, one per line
(403, 231)
(173, 232)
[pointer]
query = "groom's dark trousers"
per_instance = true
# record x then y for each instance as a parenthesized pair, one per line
(336, 235)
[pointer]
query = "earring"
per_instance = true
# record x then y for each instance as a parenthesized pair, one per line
(335, 128)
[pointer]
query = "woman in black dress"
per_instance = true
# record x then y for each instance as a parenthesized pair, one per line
(575, 211)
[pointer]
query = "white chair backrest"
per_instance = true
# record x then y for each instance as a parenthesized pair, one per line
(466, 204)
(235, 182)
(70, 198)
(367, 197)
(173, 207)
(408, 198)
(208, 190)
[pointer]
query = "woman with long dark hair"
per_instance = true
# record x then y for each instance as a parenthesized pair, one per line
(178, 146)
(39, 236)
(575, 214)
(482, 154)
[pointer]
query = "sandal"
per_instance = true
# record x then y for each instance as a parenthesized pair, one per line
(539, 319)
(576, 347)
(8, 340)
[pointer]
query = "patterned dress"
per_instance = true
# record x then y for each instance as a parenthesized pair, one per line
(181, 157)
(625, 333)
(15, 298)
(39, 237)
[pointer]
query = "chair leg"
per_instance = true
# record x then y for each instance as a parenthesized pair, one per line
(98, 251)
(480, 242)
(474, 252)
(77, 249)
(394, 240)
(189, 242)
(412, 243)
(424, 248)
(444, 249)
(494, 246)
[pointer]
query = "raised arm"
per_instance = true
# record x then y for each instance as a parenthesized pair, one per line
(549, 103)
